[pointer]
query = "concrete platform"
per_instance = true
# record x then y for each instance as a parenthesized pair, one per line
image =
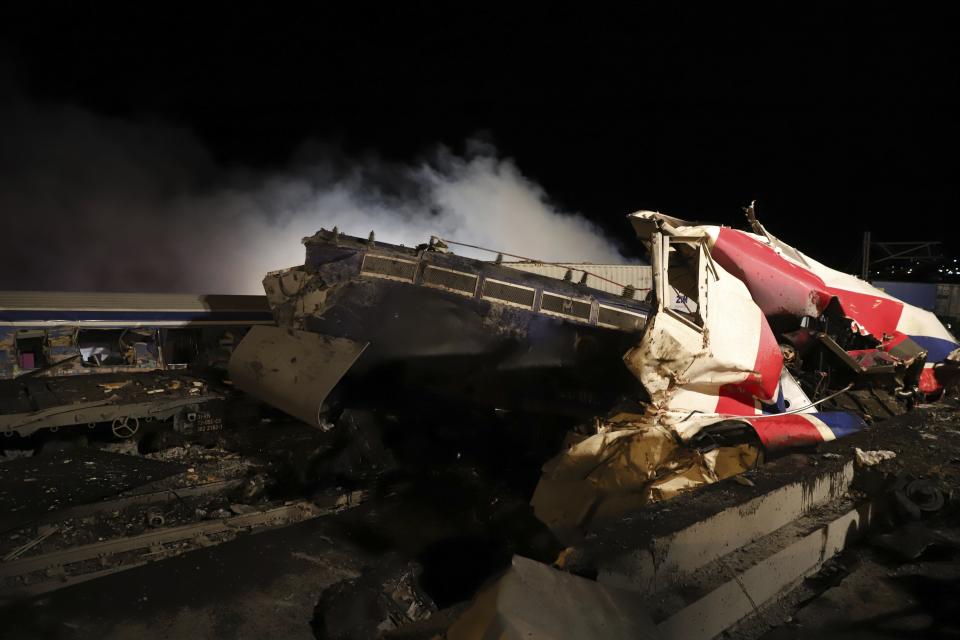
(732, 518)
(711, 558)
(735, 586)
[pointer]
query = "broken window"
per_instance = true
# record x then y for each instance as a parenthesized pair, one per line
(116, 347)
(682, 273)
(30, 349)
(180, 348)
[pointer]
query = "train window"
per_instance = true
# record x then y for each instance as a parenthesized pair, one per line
(681, 268)
(683, 292)
(180, 348)
(30, 353)
(115, 347)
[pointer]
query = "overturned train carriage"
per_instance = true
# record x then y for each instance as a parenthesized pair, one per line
(763, 336)
(414, 325)
(742, 346)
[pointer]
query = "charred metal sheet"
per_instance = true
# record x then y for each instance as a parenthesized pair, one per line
(292, 370)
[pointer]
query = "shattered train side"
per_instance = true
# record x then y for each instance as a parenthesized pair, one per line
(828, 322)
(768, 335)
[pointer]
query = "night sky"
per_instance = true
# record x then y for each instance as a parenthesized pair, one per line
(835, 122)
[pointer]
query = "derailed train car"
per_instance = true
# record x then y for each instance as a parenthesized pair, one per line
(409, 326)
(767, 340)
(78, 360)
(47, 333)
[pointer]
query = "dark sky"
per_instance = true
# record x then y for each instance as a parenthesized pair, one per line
(835, 121)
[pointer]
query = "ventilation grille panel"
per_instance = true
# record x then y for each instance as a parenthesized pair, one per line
(513, 294)
(565, 306)
(458, 281)
(620, 319)
(389, 267)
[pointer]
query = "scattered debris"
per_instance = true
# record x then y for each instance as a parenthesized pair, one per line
(912, 498)
(909, 541)
(114, 386)
(14, 454)
(926, 494)
(833, 571)
(155, 517)
(242, 509)
(870, 458)
(377, 602)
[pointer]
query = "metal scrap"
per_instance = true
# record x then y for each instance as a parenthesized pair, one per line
(624, 467)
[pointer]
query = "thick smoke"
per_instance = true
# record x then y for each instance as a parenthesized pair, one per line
(94, 203)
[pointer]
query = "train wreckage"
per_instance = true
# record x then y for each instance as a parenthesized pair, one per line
(122, 364)
(471, 418)
(767, 352)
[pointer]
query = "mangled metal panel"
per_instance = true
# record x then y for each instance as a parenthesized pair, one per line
(292, 370)
(783, 282)
(444, 326)
(714, 368)
(629, 463)
(722, 359)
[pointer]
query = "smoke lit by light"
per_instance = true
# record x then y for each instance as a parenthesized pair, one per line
(141, 206)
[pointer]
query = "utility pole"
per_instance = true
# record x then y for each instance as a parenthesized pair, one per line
(865, 268)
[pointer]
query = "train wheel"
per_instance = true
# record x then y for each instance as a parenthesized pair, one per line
(125, 427)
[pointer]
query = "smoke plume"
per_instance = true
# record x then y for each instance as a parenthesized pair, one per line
(96, 203)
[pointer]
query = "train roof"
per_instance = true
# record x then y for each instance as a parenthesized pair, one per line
(93, 301)
(41, 308)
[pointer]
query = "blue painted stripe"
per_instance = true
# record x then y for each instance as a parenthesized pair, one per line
(240, 317)
(773, 408)
(937, 348)
(842, 423)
